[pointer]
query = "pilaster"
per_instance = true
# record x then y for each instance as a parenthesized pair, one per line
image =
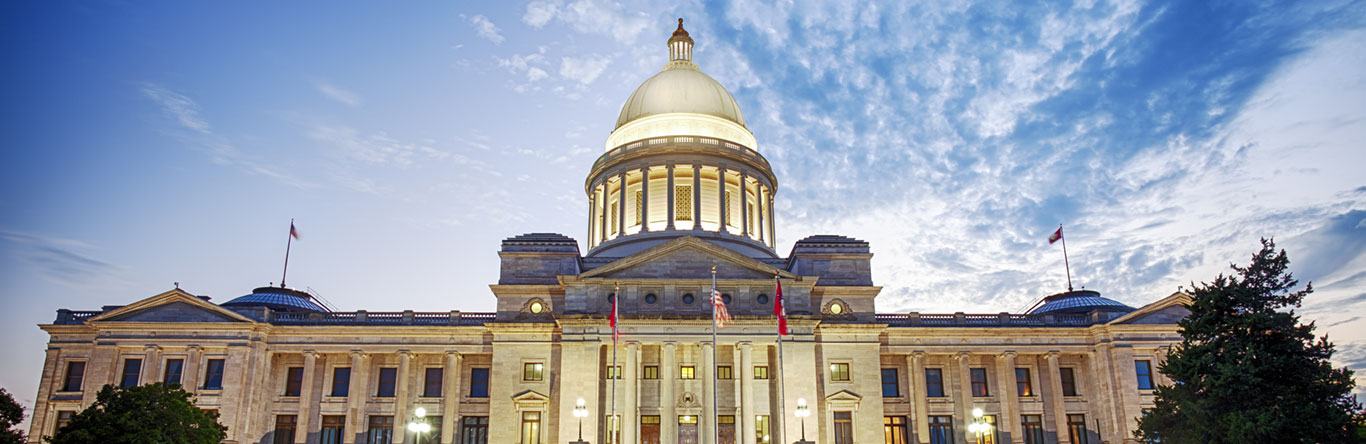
(921, 407)
(306, 403)
(450, 397)
(668, 367)
(402, 406)
(1009, 396)
(747, 391)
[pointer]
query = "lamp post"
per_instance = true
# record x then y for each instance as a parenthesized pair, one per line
(580, 411)
(802, 412)
(419, 425)
(978, 427)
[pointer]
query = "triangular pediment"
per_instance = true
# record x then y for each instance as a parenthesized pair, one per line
(530, 396)
(1168, 310)
(172, 306)
(844, 396)
(687, 257)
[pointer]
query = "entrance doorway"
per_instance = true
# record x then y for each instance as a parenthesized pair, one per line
(649, 429)
(725, 431)
(687, 429)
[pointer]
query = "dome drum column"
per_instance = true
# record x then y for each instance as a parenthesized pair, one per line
(644, 199)
(721, 200)
(697, 197)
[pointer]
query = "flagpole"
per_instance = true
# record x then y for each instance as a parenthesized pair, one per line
(613, 423)
(716, 428)
(289, 240)
(782, 377)
(1064, 258)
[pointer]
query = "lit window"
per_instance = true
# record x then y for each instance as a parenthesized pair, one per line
(761, 372)
(1023, 385)
(844, 428)
(1076, 429)
(762, 430)
(532, 371)
(683, 202)
(839, 371)
(650, 372)
(723, 372)
(613, 372)
(531, 428)
(979, 382)
(687, 372)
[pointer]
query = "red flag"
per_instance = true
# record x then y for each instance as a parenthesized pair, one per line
(719, 304)
(613, 319)
(293, 232)
(779, 310)
(1055, 237)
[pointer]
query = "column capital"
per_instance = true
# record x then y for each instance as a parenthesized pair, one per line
(1008, 354)
(669, 345)
(963, 356)
(452, 354)
(632, 344)
(918, 354)
(310, 354)
(745, 345)
(706, 345)
(405, 354)
(151, 348)
(193, 348)
(1052, 355)
(357, 354)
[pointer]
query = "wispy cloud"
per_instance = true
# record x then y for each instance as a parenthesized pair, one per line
(177, 106)
(486, 29)
(583, 69)
(62, 260)
(600, 17)
(335, 93)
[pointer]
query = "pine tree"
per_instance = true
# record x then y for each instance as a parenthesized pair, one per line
(1247, 370)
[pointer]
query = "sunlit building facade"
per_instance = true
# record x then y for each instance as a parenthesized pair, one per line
(681, 190)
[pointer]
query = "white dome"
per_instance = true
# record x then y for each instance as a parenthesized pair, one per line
(680, 90)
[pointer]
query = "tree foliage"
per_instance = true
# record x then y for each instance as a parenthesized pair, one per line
(11, 414)
(1247, 371)
(146, 414)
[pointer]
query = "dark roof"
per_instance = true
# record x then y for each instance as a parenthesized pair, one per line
(278, 299)
(1079, 302)
(832, 239)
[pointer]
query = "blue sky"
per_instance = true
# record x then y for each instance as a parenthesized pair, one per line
(150, 144)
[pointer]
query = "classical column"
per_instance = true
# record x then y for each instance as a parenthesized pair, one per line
(696, 197)
(759, 191)
(747, 390)
(707, 421)
(621, 203)
(668, 367)
(965, 385)
(450, 396)
(356, 396)
(644, 199)
(744, 203)
(149, 364)
(921, 406)
(771, 232)
(630, 418)
(1055, 395)
(1009, 396)
(306, 397)
(721, 198)
(591, 217)
(602, 222)
(401, 407)
(669, 197)
(189, 376)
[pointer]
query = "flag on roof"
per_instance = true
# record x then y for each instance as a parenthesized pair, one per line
(719, 309)
(1055, 237)
(779, 310)
(294, 233)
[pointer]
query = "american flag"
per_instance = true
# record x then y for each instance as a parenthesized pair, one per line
(722, 315)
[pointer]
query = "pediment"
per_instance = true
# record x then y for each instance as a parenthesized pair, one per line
(686, 258)
(1168, 310)
(172, 306)
(844, 396)
(530, 397)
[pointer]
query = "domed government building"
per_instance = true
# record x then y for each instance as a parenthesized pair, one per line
(681, 200)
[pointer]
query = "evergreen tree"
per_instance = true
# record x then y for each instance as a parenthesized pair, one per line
(11, 414)
(1247, 371)
(146, 414)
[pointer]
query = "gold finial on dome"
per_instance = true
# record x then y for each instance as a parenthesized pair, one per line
(680, 49)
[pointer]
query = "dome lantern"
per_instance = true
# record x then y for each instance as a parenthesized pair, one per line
(680, 46)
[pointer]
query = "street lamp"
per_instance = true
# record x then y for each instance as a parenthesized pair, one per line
(978, 427)
(580, 411)
(803, 412)
(419, 425)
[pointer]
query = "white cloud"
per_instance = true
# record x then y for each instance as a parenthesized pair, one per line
(182, 108)
(601, 17)
(376, 148)
(583, 69)
(338, 94)
(486, 29)
(539, 13)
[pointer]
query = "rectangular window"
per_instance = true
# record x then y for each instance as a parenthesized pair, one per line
(75, 373)
(894, 429)
(730, 215)
(173, 370)
(650, 372)
(612, 222)
(132, 368)
(432, 436)
(1144, 370)
(979, 382)
(474, 430)
(333, 428)
(63, 418)
(531, 428)
(387, 375)
(683, 202)
(1069, 381)
(1023, 385)
(381, 430)
(431, 382)
(687, 372)
(988, 437)
(844, 428)
(638, 208)
(761, 372)
(891, 384)
(614, 428)
(284, 429)
(1033, 429)
(725, 419)
(941, 430)
(533, 371)
(934, 383)
(294, 381)
(612, 372)
(213, 375)
(341, 381)
(839, 371)
(763, 432)
(723, 372)
(479, 383)
(1076, 429)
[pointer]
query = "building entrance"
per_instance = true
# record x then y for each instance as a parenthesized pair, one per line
(687, 429)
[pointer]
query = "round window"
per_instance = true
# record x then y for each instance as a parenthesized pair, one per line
(687, 298)
(836, 308)
(537, 307)
(725, 298)
(650, 298)
(763, 299)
